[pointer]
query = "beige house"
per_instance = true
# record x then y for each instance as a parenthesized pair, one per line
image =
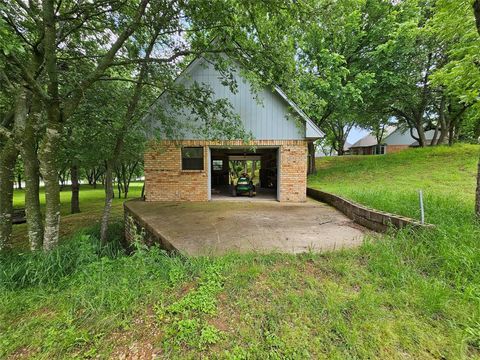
(395, 140)
(192, 168)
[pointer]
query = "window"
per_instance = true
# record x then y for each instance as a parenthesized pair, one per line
(217, 165)
(192, 158)
(380, 150)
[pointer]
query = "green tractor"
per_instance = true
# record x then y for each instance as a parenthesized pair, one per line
(244, 186)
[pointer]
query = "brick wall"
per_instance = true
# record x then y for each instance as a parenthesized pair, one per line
(391, 149)
(293, 172)
(363, 150)
(136, 229)
(372, 219)
(165, 180)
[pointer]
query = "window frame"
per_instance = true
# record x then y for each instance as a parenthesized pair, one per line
(213, 165)
(182, 163)
(380, 149)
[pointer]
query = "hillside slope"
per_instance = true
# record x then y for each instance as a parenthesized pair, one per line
(447, 176)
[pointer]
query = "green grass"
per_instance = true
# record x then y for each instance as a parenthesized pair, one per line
(447, 176)
(400, 296)
(91, 206)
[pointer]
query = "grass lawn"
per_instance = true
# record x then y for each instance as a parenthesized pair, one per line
(400, 296)
(446, 175)
(91, 205)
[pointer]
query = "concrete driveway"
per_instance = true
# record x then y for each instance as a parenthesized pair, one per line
(220, 227)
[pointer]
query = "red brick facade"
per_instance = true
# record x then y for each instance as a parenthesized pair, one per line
(391, 149)
(166, 181)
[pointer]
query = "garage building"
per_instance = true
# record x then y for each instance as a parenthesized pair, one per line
(187, 167)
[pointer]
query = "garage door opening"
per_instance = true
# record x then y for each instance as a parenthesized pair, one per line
(240, 173)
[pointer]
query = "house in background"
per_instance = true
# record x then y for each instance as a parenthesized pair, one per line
(328, 151)
(190, 167)
(396, 140)
(367, 145)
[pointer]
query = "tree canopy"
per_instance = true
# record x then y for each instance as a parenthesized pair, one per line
(79, 76)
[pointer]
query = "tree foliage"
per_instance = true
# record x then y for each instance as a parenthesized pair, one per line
(79, 79)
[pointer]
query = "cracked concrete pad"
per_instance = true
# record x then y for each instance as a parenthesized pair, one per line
(219, 227)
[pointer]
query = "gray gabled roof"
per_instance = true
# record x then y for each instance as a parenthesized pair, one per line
(371, 140)
(366, 141)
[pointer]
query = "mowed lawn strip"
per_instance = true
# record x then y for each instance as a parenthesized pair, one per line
(91, 206)
(402, 295)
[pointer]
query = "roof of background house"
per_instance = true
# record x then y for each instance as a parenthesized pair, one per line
(366, 141)
(403, 136)
(371, 140)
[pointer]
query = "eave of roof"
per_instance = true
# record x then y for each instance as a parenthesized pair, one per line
(299, 111)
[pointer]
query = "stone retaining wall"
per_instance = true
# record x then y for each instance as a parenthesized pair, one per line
(137, 229)
(370, 218)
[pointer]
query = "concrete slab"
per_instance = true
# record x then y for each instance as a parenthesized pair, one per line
(261, 195)
(219, 227)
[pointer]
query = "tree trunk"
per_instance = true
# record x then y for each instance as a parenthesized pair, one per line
(89, 177)
(62, 176)
(341, 145)
(130, 171)
(25, 135)
(108, 202)
(477, 199)
(125, 180)
(119, 188)
(444, 125)
(476, 12)
(32, 189)
(8, 158)
(311, 158)
(48, 168)
(19, 181)
(443, 134)
(51, 140)
(422, 141)
(435, 136)
(75, 201)
(451, 134)
(120, 138)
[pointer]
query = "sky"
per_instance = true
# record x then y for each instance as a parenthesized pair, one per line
(356, 134)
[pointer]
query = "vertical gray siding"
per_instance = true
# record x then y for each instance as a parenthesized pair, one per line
(266, 116)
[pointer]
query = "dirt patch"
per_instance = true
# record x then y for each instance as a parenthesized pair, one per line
(22, 353)
(140, 342)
